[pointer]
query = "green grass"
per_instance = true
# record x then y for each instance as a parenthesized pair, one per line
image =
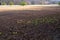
(11, 3)
(3, 3)
(37, 21)
(23, 3)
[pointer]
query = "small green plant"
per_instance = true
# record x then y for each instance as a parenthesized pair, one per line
(0, 33)
(23, 3)
(42, 20)
(11, 3)
(35, 21)
(51, 20)
(3, 3)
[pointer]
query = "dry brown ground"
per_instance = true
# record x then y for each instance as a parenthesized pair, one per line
(11, 30)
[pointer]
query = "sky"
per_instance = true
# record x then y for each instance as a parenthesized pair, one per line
(56, 0)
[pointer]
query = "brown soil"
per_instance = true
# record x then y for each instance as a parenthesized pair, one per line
(11, 30)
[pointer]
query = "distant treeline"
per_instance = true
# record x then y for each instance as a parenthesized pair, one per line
(22, 2)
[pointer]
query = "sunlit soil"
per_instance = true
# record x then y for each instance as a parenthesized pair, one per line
(26, 7)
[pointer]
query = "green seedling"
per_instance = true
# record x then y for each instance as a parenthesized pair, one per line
(0, 33)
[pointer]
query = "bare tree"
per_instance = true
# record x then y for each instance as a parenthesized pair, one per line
(43, 1)
(0, 2)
